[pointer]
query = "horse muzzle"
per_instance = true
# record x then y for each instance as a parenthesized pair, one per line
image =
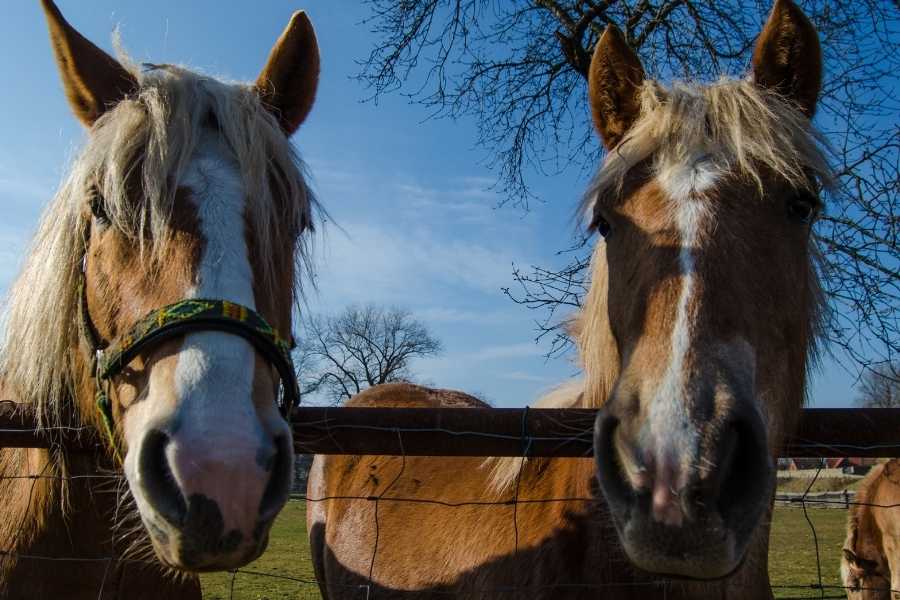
(693, 518)
(209, 504)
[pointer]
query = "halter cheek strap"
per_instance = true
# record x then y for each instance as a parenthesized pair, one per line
(181, 318)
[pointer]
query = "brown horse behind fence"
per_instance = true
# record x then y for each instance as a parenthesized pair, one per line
(188, 203)
(870, 565)
(695, 338)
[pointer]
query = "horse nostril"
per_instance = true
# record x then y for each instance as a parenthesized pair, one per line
(157, 480)
(745, 467)
(279, 485)
(609, 473)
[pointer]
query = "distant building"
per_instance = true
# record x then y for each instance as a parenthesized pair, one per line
(852, 465)
(800, 464)
(302, 463)
(849, 465)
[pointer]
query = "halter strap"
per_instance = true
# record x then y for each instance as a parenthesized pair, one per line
(180, 318)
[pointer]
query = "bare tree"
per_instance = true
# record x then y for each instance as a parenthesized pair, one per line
(519, 68)
(880, 387)
(363, 346)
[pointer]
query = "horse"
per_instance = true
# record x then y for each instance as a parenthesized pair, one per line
(870, 558)
(155, 309)
(695, 336)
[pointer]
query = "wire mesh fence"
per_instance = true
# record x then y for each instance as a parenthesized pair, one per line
(804, 555)
(805, 547)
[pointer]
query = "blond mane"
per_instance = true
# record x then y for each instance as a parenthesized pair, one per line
(504, 470)
(148, 138)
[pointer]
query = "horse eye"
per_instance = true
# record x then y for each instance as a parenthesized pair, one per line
(97, 208)
(601, 226)
(802, 208)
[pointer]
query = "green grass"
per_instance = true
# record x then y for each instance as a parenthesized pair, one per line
(792, 554)
(792, 558)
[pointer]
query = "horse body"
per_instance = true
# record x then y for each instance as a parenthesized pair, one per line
(870, 565)
(558, 542)
(695, 337)
(155, 310)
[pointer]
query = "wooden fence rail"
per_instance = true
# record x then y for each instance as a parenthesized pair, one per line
(494, 432)
(835, 499)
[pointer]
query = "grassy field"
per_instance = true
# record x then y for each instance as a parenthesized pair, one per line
(831, 484)
(288, 572)
(792, 553)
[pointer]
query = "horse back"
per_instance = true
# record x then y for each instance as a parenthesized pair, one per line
(410, 395)
(405, 527)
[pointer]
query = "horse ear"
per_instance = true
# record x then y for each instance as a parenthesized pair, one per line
(287, 84)
(788, 58)
(93, 80)
(614, 86)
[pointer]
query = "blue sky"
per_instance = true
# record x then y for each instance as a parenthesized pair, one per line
(417, 223)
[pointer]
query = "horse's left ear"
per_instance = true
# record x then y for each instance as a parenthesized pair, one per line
(788, 58)
(287, 84)
(94, 81)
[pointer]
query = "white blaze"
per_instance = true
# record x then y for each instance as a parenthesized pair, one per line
(214, 375)
(670, 433)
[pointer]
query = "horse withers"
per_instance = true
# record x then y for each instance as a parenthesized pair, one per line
(870, 558)
(156, 306)
(695, 338)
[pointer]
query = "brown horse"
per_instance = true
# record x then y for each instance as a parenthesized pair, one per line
(695, 338)
(187, 202)
(870, 565)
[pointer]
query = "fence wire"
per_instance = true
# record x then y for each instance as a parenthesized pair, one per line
(822, 541)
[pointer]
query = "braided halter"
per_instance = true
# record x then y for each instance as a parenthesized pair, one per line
(108, 359)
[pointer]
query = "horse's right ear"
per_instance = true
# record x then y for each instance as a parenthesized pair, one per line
(288, 82)
(93, 80)
(614, 86)
(788, 57)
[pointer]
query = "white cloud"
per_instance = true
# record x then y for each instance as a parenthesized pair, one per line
(399, 241)
(523, 376)
(384, 263)
(506, 351)
(443, 314)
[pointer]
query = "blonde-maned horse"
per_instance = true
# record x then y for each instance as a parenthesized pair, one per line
(870, 558)
(695, 338)
(187, 203)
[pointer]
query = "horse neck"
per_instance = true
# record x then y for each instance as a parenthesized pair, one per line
(27, 490)
(71, 512)
(867, 519)
(52, 507)
(53, 504)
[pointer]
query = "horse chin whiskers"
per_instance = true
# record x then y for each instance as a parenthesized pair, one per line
(131, 541)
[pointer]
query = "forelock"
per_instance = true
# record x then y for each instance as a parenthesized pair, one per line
(743, 128)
